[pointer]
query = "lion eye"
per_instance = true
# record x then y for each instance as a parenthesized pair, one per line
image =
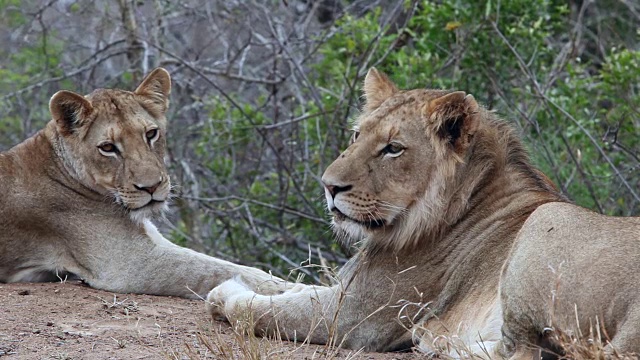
(354, 136)
(393, 150)
(151, 134)
(108, 148)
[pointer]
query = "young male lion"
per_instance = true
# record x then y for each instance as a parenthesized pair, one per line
(78, 196)
(435, 188)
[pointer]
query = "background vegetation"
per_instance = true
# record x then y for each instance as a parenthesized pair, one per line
(264, 91)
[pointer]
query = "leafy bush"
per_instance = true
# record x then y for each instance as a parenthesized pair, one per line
(264, 93)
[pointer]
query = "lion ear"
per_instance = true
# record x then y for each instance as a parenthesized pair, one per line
(69, 110)
(377, 89)
(453, 119)
(155, 90)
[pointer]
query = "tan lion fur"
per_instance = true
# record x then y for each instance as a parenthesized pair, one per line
(433, 189)
(68, 207)
(574, 271)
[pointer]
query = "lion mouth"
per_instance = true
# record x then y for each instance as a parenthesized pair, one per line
(151, 205)
(150, 210)
(153, 202)
(369, 224)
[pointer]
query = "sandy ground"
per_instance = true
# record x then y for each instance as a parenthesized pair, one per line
(72, 321)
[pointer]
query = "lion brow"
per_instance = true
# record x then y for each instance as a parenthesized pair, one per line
(392, 106)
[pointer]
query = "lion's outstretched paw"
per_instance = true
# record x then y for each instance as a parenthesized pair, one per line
(216, 310)
(220, 298)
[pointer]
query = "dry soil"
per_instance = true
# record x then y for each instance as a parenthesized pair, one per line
(72, 321)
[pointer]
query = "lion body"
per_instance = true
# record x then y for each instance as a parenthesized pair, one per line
(434, 189)
(78, 198)
(575, 271)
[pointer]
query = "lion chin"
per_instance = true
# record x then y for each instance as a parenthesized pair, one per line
(350, 232)
(153, 210)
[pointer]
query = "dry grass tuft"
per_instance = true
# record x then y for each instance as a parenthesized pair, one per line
(126, 306)
(593, 346)
(240, 342)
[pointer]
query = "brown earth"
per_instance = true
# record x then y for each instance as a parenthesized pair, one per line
(72, 321)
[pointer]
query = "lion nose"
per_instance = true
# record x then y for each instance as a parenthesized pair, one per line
(335, 189)
(150, 189)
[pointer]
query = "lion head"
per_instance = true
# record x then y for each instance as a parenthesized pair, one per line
(394, 181)
(113, 142)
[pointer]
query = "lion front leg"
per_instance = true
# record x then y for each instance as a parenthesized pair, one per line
(154, 265)
(317, 314)
(176, 271)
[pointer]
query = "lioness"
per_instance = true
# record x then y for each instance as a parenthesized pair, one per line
(435, 188)
(575, 271)
(78, 196)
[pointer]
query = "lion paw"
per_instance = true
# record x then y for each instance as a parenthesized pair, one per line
(220, 298)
